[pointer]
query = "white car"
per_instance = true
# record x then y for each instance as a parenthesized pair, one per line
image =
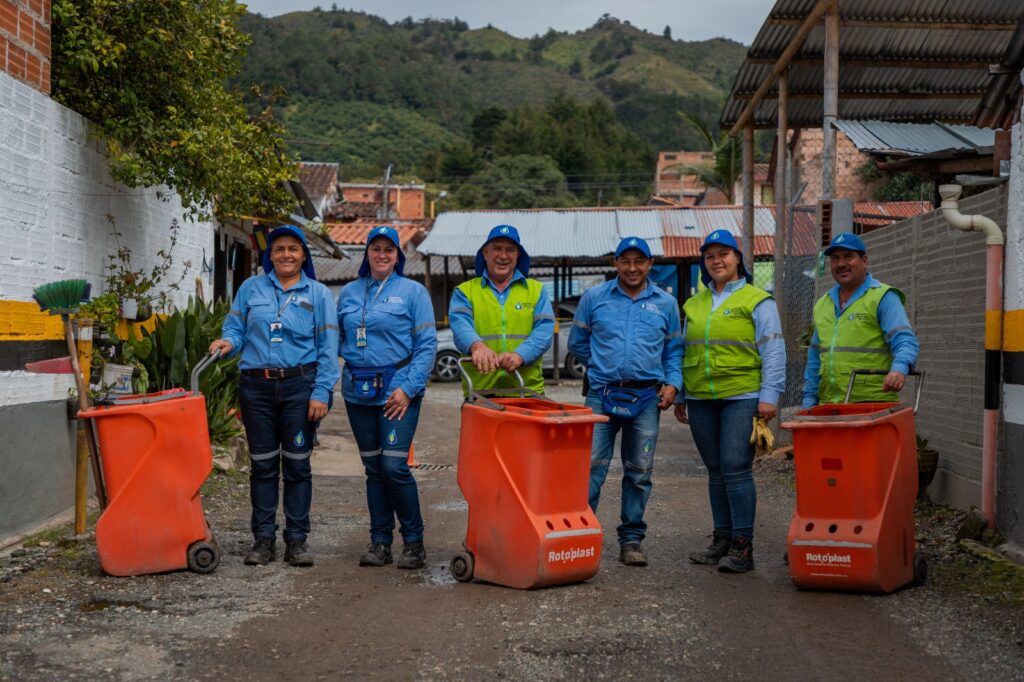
(446, 363)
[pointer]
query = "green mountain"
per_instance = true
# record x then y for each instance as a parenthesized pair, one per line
(364, 92)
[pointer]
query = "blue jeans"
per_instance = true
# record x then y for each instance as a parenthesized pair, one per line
(280, 442)
(639, 438)
(390, 487)
(721, 431)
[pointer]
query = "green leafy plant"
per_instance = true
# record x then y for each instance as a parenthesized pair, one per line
(152, 76)
(176, 345)
(128, 282)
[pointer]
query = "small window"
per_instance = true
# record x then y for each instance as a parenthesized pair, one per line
(670, 157)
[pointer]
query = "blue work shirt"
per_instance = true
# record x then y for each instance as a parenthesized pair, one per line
(308, 331)
(460, 319)
(620, 338)
(771, 346)
(399, 324)
(892, 320)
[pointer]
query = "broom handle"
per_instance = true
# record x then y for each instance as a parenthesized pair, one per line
(83, 404)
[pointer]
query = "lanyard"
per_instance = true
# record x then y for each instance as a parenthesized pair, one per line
(366, 293)
(282, 308)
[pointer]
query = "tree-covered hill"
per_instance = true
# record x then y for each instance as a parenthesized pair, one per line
(364, 92)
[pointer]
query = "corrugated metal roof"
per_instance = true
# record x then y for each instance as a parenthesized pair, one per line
(568, 233)
(913, 139)
(885, 65)
(584, 234)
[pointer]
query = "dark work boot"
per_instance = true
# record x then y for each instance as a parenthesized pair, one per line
(413, 556)
(631, 554)
(262, 552)
(377, 554)
(740, 558)
(297, 554)
(721, 541)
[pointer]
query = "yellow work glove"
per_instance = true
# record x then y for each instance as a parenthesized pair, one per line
(762, 437)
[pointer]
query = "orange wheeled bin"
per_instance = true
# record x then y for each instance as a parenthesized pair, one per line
(524, 469)
(155, 452)
(856, 483)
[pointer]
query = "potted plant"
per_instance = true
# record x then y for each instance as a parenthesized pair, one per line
(927, 465)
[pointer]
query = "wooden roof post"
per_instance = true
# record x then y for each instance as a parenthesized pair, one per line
(830, 102)
(780, 185)
(748, 196)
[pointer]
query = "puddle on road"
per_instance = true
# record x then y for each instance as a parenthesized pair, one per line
(452, 506)
(94, 605)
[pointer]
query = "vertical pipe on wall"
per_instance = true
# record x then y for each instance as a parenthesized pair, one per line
(994, 247)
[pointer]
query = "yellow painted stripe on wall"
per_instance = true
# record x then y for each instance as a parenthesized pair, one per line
(1013, 330)
(23, 321)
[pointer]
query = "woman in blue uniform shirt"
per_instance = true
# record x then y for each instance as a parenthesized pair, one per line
(388, 341)
(283, 324)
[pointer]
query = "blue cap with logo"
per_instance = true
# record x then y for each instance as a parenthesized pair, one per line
(289, 231)
(503, 232)
(389, 233)
(633, 243)
(846, 240)
(725, 238)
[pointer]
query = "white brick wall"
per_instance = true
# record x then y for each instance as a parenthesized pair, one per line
(55, 193)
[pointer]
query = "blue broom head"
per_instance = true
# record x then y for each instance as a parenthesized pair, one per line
(62, 298)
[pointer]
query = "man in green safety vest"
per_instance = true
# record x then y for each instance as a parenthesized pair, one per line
(501, 318)
(859, 324)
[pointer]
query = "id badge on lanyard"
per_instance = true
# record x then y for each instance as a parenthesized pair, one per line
(277, 327)
(361, 329)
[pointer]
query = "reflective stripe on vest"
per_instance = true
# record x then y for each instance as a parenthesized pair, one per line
(721, 357)
(503, 328)
(854, 340)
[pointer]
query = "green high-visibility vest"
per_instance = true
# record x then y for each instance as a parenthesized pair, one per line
(503, 328)
(721, 357)
(854, 340)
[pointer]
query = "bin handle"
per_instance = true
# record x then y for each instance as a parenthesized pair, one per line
(200, 367)
(881, 372)
(469, 381)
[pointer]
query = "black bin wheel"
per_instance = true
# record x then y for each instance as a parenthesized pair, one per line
(920, 570)
(203, 557)
(461, 567)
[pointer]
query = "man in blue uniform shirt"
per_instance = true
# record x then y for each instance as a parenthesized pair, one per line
(627, 332)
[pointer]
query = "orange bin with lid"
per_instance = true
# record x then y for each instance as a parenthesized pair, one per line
(856, 484)
(155, 452)
(524, 469)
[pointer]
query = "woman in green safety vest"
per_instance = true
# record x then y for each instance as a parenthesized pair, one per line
(734, 371)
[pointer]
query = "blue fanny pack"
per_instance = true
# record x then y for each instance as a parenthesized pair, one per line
(374, 382)
(626, 403)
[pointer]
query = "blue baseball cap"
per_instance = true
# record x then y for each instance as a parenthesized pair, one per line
(633, 243)
(289, 231)
(389, 233)
(503, 232)
(725, 238)
(846, 240)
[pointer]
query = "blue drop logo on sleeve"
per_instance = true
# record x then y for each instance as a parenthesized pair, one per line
(299, 439)
(392, 437)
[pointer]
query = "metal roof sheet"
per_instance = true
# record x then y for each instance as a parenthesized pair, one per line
(913, 139)
(883, 65)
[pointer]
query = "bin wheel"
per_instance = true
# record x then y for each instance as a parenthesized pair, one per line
(920, 570)
(461, 567)
(203, 557)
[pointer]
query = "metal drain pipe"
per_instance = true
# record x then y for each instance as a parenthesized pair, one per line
(993, 335)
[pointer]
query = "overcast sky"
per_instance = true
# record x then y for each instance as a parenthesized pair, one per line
(689, 19)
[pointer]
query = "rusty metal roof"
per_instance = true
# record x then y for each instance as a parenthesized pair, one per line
(356, 232)
(899, 60)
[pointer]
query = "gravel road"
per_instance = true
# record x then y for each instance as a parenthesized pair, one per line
(61, 618)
